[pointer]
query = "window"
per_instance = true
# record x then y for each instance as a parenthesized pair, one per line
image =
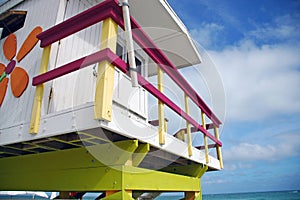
(120, 51)
(138, 64)
(11, 21)
(124, 56)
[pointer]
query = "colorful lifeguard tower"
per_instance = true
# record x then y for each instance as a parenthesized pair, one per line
(70, 118)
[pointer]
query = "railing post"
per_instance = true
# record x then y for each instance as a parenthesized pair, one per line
(161, 113)
(205, 137)
(39, 92)
(218, 148)
(105, 78)
(188, 125)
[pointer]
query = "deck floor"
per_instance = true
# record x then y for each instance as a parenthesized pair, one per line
(91, 132)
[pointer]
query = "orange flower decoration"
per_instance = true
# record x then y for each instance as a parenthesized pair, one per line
(18, 76)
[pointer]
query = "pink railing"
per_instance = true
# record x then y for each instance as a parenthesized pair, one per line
(111, 9)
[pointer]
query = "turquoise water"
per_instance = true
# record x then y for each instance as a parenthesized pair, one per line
(286, 195)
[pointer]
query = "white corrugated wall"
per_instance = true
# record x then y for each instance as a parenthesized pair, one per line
(15, 111)
(74, 89)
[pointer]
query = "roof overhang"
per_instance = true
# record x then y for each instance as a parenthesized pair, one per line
(5, 5)
(167, 31)
(11, 21)
(163, 26)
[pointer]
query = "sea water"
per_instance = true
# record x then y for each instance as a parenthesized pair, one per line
(285, 195)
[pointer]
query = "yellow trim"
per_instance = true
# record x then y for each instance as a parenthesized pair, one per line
(219, 153)
(105, 78)
(205, 137)
(138, 179)
(161, 113)
(188, 125)
(79, 170)
(166, 125)
(139, 154)
(181, 135)
(192, 170)
(38, 97)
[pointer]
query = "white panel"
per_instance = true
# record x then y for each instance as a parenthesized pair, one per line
(76, 88)
(39, 13)
(131, 98)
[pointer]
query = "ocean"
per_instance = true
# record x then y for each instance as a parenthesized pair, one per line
(283, 195)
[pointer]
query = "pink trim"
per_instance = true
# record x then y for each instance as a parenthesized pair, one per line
(99, 56)
(155, 92)
(78, 22)
(158, 56)
(110, 8)
(108, 55)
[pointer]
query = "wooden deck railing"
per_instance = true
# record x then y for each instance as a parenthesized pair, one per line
(110, 9)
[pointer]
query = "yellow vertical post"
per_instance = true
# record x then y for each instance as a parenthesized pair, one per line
(205, 137)
(105, 78)
(188, 125)
(39, 91)
(219, 153)
(161, 112)
(166, 125)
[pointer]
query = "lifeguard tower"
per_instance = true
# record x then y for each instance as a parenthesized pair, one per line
(74, 94)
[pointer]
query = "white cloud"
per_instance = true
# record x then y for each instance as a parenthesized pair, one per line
(218, 181)
(208, 34)
(260, 82)
(230, 167)
(285, 27)
(222, 10)
(287, 146)
(250, 152)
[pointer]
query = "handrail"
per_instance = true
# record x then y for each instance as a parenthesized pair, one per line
(105, 54)
(108, 55)
(110, 8)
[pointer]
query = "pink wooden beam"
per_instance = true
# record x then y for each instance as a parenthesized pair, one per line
(99, 56)
(158, 57)
(110, 8)
(78, 22)
(155, 92)
(108, 55)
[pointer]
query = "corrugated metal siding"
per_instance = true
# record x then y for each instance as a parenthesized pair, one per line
(76, 88)
(79, 87)
(71, 90)
(39, 13)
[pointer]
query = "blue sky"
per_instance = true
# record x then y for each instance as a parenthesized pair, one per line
(255, 46)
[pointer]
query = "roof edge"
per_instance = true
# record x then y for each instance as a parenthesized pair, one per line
(8, 4)
(181, 25)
